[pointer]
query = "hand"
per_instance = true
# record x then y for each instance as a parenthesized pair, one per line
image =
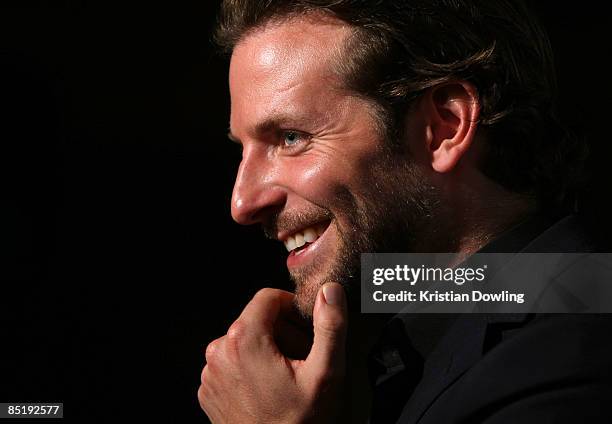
(248, 379)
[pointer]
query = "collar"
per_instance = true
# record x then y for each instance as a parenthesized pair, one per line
(438, 347)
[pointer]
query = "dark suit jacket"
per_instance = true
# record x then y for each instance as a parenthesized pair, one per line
(515, 368)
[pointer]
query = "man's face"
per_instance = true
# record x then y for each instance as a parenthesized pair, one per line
(316, 171)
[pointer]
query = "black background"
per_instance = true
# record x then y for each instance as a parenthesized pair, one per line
(120, 261)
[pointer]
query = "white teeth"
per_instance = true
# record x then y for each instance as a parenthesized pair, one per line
(299, 240)
(290, 244)
(310, 235)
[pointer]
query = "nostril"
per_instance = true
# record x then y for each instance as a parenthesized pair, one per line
(266, 214)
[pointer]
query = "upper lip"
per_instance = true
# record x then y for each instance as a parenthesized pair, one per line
(285, 234)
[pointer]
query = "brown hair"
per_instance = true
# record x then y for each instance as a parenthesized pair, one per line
(400, 48)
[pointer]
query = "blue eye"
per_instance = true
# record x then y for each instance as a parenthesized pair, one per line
(291, 138)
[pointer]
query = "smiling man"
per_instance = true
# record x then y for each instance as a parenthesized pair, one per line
(393, 126)
(316, 169)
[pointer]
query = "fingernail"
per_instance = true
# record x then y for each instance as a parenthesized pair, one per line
(333, 292)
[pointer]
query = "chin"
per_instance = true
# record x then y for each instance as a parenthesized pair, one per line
(308, 280)
(306, 296)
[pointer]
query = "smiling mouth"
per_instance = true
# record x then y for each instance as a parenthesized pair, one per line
(300, 240)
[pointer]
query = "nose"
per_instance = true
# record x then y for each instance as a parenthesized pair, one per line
(256, 192)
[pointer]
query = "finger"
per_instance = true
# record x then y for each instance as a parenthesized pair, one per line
(208, 397)
(215, 352)
(262, 312)
(330, 322)
(205, 375)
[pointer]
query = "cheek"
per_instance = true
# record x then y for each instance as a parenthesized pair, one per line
(316, 179)
(333, 183)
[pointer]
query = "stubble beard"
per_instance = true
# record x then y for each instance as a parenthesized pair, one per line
(390, 217)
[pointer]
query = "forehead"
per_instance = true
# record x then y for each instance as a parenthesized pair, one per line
(303, 35)
(285, 61)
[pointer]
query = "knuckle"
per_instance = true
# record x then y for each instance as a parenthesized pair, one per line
(203, 378)
(204, 375)
(237, 331)
(330, 326)
(265, 293)
(212, 350)
(236, 335)
(202, 396)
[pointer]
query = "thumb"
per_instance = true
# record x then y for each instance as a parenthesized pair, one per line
(330, 323)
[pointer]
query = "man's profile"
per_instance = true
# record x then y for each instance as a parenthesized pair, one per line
(399, 126)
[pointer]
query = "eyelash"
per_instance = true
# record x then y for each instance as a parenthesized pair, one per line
(301, 137)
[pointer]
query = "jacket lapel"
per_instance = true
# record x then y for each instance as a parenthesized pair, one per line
(464, 344)
(456, 352)
(467, 341)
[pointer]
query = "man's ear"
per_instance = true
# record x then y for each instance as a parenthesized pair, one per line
(451, 113)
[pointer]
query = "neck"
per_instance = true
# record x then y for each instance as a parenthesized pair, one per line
(473, 215)
(487, 224)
